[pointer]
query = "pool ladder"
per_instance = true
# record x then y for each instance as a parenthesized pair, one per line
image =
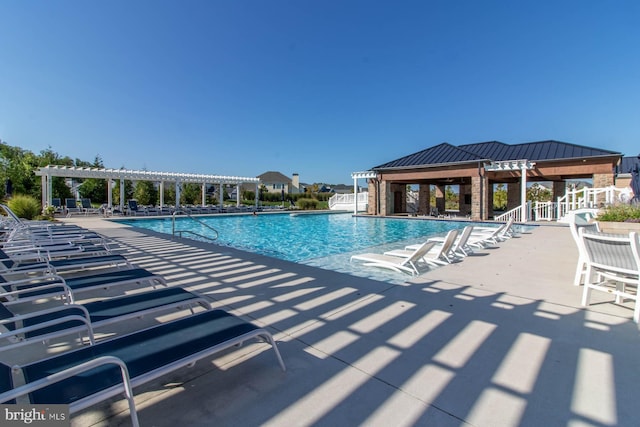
(179, 233)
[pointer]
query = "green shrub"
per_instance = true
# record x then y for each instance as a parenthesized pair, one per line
(307, 204)
(25, 206)
(620, 213)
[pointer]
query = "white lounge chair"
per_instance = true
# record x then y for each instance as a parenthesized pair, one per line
(401, 264)
(438, 255)
(614, 261)
(463, 245)
(575, 227)
(493, 235)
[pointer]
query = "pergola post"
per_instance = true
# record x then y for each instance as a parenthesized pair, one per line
(204, 194)
(122, 195)
(109, 193)
(178, 193)
(161, 194)
(523, 193)
(356, 176)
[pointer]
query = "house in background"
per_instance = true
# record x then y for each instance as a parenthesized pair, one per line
(275, 182)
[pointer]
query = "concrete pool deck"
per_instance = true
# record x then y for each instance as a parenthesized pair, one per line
(499, 339)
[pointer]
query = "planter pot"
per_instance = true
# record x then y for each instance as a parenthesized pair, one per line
(619, 227)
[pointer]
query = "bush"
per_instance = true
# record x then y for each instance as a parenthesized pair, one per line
(307, 204)
(620, 213)
(25, 206)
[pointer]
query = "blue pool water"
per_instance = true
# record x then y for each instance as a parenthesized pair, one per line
(302, 237)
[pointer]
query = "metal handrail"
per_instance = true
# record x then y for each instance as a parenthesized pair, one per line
(180, 232)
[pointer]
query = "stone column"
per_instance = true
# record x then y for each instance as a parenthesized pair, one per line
(424, 198)
(372, 208)
(479, 198)
(602, 180)
(386, 205)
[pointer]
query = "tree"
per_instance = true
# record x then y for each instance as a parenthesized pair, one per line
(500, 198)
(146, 193)
(190, 194)
(538, 193)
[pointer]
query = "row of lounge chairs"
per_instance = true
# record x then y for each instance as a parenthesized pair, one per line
(100, 368)
(608, 263)
(438, 251)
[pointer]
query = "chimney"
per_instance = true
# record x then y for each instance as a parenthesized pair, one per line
(295, 184)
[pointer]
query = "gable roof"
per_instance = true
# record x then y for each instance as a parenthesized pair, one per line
(445, 153)
(437, 155)
(272, 176)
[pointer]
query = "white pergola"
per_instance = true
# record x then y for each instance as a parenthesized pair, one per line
(515, 165)
(48, 172)
(356, 176)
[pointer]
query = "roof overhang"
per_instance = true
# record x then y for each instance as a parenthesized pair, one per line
(140, 175)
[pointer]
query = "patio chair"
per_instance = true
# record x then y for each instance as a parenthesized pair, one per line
(134, 209)
(89, 375)
(613, 260)
(42, 325)
(51, 285)
(581, 267)
(404, 264)
(72, 207)
(87, 209)
(439, 254)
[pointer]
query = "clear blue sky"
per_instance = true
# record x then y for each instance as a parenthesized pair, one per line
(322, 88)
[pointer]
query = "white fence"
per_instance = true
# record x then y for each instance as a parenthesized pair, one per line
(584, 199)
(346, 202)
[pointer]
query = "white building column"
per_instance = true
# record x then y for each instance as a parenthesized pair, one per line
(178, 185)
(523, 193)
(221, 195)
(161, 194)
(109, 193)
(122, 195)
(204, 194)
(238, 196)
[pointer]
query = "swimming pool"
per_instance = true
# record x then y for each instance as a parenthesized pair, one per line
(323, 240)
(301, 237)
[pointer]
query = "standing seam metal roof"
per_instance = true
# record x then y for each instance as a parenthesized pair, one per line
(446, 153)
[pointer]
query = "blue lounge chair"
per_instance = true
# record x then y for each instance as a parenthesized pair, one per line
(72, 206)
(42, 325)
(86, 376)
(9, 265)
(37, 287)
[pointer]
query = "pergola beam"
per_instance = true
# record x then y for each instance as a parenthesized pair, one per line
(47, 172)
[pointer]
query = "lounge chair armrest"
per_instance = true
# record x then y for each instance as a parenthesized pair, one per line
(33, 280)
(86, 324)
(11, 295)
(72, 372)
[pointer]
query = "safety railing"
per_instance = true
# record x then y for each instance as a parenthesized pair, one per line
(180, 233)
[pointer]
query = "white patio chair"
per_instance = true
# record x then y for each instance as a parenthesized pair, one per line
(614, 261)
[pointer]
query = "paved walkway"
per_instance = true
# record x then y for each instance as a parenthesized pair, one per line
(499, 339)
